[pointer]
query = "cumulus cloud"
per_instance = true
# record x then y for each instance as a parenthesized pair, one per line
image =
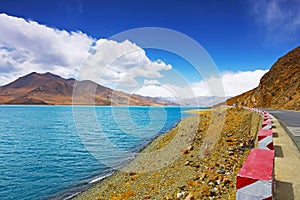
(233, 84)
(240, 82)
(27, 46)
(120, 63)
(279, 18)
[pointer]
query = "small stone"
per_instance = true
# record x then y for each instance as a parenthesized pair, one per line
(226, 180)
(212, 192)
(195, 178)
(206, 152)
(189, 197)
(185, 151)
(231, 148)
(202, 177)
(205, 191)
(216, 191)
(229, 134)
(221, 171)
(182, 187)
(191, 148)
(146, 196)
(211, 183)
(196, 165)
(180, 194)
(167, 197)
(132, 173)
(187, 163)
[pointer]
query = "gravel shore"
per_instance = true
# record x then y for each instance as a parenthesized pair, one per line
(198, 159)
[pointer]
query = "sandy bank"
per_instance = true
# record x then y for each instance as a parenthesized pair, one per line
(192, 161)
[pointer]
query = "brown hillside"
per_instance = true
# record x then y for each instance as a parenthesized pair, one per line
(51, 89)
(279, 88)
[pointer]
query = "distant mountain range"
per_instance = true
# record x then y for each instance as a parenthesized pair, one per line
(203, 101)
(51, 89)
(279, 88)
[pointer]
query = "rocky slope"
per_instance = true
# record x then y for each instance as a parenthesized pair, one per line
(279, 88)
(51, 89)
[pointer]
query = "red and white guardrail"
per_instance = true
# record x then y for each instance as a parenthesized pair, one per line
(255, 179)
(265, 139)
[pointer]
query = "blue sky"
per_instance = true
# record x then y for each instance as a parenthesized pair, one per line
(240, 36)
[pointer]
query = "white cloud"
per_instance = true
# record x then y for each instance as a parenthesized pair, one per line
(120, 63)
(233, 84)
(151, 82)
(155, 91)
(27, 46)
(240, 82)
(166, 91)
(279, 18)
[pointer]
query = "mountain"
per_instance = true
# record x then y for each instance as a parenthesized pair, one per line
(51, 89)
(279, 88)
(203, 101)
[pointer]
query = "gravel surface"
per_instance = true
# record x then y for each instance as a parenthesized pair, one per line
(198, 159)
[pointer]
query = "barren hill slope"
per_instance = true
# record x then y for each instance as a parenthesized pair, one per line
(48, 88)
(279, 88)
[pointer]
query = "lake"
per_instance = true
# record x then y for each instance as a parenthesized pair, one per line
(55, 151)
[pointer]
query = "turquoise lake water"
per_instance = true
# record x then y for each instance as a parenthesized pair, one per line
(55, 151)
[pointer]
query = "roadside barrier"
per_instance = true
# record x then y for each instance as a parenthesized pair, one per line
(266, 125)
(255, 179)
(265, 139)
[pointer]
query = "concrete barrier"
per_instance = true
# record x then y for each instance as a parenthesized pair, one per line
(255, 178)
(267, 124)
(266, 117)
(265, 139)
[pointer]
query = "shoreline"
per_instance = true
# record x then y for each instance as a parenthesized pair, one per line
(140, 148)
(187, 174)
(145, 147)
(76, 190)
